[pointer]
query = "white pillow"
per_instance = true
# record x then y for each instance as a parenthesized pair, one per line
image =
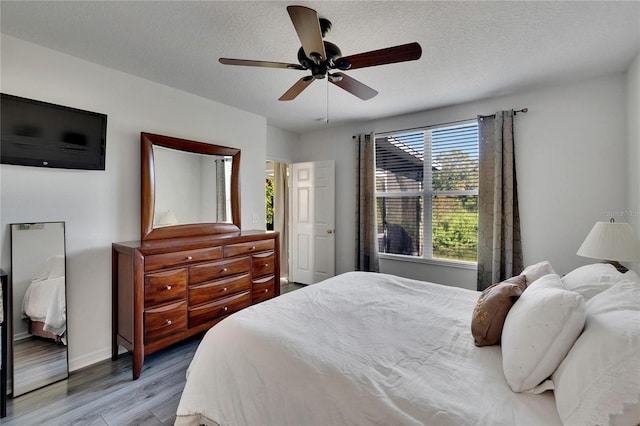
(53, 268)
(598, 382)
(56, 264)
(538, 332)
(590, 280)
(536, 271)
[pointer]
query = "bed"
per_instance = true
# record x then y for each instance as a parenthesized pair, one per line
(367, 348)
(44, 302)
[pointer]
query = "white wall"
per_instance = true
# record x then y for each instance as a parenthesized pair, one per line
(571, 154)
(633, 158)
(102, 207)
(281, 144)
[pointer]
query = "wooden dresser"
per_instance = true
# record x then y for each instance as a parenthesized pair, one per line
(167, 290)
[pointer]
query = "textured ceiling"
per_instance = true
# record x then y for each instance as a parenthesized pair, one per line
(471, 50)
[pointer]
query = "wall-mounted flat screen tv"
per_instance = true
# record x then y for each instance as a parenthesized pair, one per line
(42, 134)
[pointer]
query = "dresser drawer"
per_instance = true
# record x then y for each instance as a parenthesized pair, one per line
(248, 248)
(158, 261)
(262, 264)
(204, 313)
(202, 293)
(165, 320)
(214, 270)
(263, 289)
(161, 287)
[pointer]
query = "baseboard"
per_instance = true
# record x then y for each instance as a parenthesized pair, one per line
(92, 358)
(21, 336)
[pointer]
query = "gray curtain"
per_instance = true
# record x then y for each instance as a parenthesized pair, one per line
(366, 232)
(499, 243)
(281, 213)
(221, 193)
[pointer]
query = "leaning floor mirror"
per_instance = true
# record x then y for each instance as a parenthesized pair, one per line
(38, 305)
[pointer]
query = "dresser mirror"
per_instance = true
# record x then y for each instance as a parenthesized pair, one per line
(188, 188)
(38, 306)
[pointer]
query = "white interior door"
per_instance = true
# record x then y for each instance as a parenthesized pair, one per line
(313, 221)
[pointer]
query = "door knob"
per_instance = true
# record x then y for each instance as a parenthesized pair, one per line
(330, 231)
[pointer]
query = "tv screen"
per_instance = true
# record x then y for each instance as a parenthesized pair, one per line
(42, 134)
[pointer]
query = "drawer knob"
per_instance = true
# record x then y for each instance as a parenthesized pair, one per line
(168, 322)
(226, 309)
(266, 265)
(224, 269)
(253, 247)
(224, 289)
(266, 290)
(189, 257)
(168, 287)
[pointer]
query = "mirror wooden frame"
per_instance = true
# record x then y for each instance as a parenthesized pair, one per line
(148, 189)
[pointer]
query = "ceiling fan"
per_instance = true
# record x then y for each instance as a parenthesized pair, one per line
(322, 57)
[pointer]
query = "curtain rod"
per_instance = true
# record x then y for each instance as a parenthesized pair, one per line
(523, 110)
(520, 111)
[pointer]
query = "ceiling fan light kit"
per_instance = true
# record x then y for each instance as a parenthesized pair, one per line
(321, 57)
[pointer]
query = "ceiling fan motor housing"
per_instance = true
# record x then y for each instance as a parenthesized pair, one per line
(318, 67)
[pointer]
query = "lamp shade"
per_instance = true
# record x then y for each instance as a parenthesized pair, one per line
(611, 241)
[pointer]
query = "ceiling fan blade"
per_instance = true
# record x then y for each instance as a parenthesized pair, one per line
(390, 55)
(307, 25)
(297, 88)
(265, 64)
(352, 86)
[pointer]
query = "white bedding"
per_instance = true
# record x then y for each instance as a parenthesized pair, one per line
(44, 301)
(359, 348)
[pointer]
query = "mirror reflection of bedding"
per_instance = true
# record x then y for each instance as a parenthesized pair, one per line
(44, 301)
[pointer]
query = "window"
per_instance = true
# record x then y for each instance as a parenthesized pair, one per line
(427, 192)
(268, 189)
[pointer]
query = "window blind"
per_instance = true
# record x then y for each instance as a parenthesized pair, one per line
(426, 192)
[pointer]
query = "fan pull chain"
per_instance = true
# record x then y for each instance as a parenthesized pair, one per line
(327, 115)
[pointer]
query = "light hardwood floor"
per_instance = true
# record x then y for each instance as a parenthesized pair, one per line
(36, 363)
(104, 394)
(286, 286)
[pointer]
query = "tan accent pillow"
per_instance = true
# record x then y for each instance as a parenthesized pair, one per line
(492, 309)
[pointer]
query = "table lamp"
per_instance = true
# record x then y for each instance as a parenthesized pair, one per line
(613, 242)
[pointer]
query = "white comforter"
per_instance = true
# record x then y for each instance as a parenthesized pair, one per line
(357, 349)
(44, 301)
